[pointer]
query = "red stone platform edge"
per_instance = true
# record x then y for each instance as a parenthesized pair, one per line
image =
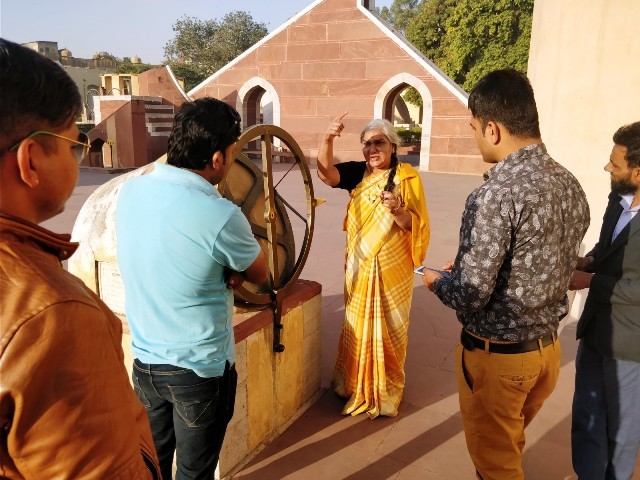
(250, 321)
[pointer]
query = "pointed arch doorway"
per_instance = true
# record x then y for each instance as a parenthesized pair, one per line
(414, 121)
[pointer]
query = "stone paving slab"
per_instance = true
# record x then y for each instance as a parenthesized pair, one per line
(425, 440)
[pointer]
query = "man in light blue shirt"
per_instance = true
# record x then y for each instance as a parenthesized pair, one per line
(181, 249)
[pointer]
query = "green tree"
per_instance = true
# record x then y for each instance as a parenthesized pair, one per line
(202, 47)
(487, 35)
(400, 13)
(428, 27)
(412, 95)
(469, 38)
(136, 68)
(188, 73)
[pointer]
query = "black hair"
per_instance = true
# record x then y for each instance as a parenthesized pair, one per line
(200, 129)
(506, 96)
(629, 136)
(35, 93)
(392, 173)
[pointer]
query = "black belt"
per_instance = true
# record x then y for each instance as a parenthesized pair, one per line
(470, 342)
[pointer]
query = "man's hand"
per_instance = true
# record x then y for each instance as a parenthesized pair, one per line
(580, 280)
(234, 279)
(584, 263)
(429, 277)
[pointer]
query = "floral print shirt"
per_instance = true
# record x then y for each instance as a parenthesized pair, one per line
(519, 240)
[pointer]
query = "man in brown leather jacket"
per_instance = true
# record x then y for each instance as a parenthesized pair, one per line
(67, 409)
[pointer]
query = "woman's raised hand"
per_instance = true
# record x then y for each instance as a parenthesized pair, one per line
(335, 127)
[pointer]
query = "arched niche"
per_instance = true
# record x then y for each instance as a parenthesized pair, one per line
(258, 103)
(384, 107)
(258, 96)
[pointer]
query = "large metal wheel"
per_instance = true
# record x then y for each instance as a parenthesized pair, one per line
(251, 182)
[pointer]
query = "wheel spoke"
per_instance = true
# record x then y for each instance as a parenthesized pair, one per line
(283, 177)
(298, 214)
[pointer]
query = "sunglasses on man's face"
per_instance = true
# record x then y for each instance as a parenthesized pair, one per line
(80, 148)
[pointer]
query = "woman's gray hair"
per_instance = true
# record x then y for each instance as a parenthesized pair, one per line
(385, 126)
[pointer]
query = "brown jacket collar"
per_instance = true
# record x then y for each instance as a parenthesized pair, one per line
(57, 244)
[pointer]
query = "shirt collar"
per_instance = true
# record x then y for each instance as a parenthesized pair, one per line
(181, 176)
(57, 244)
(514, 159)
(626, 201)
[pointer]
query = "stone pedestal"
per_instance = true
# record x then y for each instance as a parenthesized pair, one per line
(274, 389)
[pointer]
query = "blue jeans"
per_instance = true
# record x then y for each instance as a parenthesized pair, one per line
(605, 427)
(188, 414)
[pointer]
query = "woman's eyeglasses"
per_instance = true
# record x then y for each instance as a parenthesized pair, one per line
(80, 149)
(379, 143)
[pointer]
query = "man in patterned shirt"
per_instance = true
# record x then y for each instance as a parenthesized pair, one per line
(519, 240)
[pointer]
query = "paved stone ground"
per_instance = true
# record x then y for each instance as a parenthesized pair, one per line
(425, 441)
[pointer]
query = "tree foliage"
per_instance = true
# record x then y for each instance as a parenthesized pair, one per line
(469, 38)
(202, 47)
(188, 73)
(137, 68)
(428, 28)
(400, 13)
(412, 95)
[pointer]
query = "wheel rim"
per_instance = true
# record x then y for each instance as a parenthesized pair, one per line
(248, 187)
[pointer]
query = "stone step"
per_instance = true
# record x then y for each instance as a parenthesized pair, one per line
(158, 117)
(158, 127)
(159, 108)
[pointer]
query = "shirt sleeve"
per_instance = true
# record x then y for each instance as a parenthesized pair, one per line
(485, 236)
(351, 174)
(235, 246)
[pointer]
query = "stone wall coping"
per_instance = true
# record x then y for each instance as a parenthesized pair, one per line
(246, 322)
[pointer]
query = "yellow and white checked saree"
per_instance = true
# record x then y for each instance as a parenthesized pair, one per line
(380, 257)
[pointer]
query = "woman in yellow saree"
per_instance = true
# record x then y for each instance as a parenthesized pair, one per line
(387, 234)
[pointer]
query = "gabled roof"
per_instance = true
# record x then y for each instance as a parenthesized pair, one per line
(177, 84)
(394, 36)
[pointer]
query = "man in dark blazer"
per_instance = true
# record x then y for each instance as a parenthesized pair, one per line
(605, 433)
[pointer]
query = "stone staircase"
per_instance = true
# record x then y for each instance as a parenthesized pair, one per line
(158, 118)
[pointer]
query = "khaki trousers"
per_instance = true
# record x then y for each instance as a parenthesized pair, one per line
(499, 396)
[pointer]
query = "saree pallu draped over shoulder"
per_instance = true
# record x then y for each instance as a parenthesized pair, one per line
(380, 257)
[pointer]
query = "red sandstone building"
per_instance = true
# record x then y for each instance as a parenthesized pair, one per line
(336, 56)
(133, 123)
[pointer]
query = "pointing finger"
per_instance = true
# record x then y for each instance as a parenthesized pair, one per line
(340, 117)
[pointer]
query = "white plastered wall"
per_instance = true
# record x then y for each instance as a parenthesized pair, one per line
(585, 69)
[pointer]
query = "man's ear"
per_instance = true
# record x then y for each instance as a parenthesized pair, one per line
(25, 157)
(217, 161)
(492, 132)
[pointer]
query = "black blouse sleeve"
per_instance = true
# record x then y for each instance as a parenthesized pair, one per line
(351, 174)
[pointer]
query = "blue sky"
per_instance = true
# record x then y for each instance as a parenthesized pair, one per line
(127, 28)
